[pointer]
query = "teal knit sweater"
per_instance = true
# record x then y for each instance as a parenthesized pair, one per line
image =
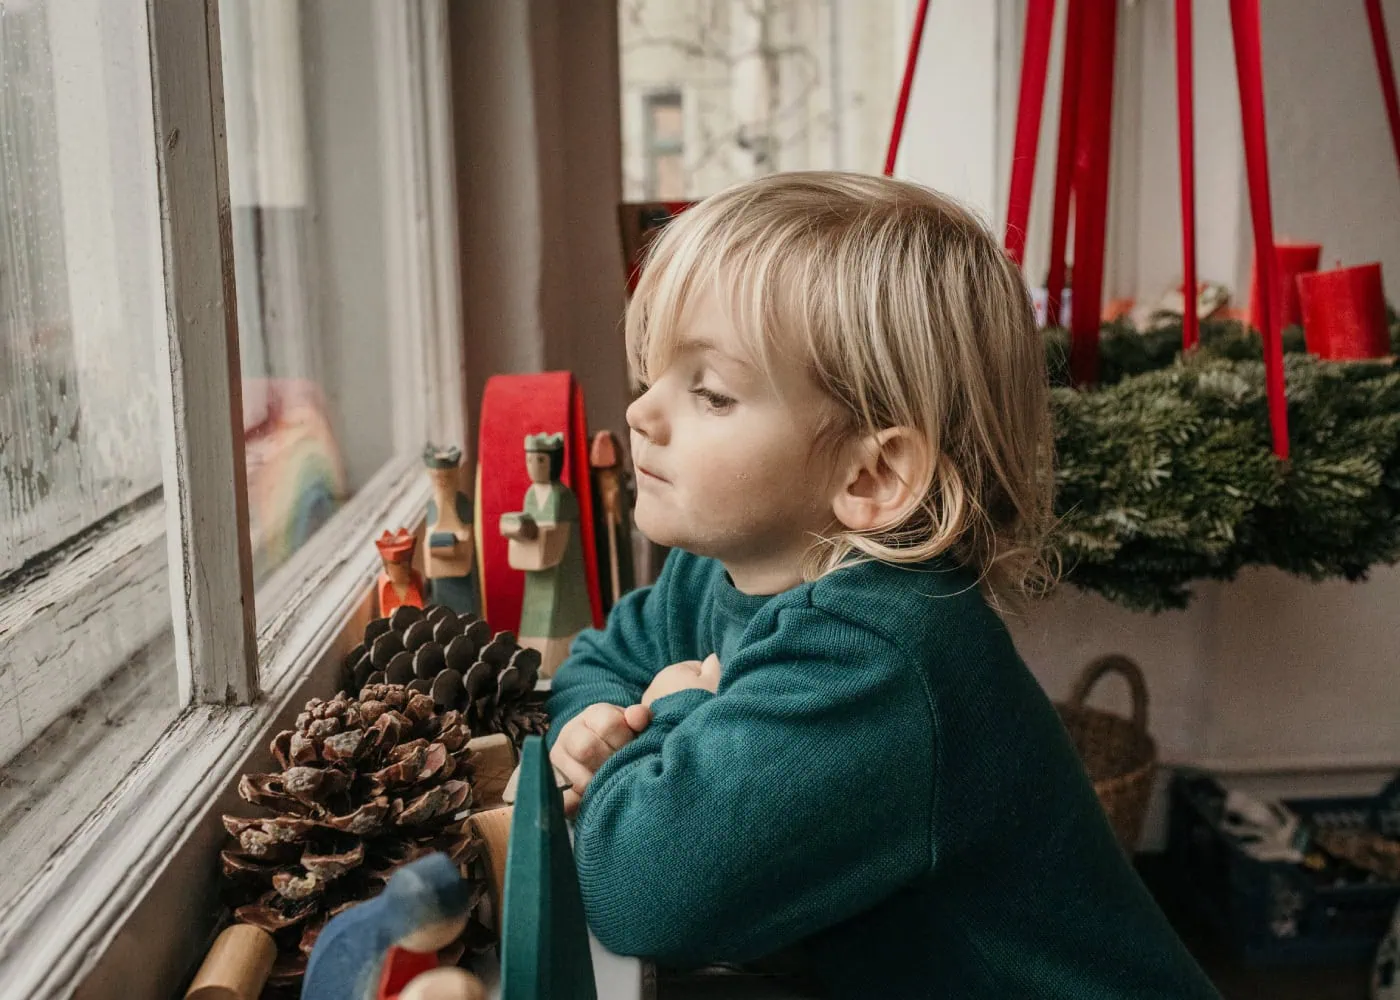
(879, 782)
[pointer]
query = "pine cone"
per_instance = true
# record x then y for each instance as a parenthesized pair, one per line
(366, 785)
(459, 662)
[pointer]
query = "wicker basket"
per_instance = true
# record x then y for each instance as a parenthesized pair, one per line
(1118, 753)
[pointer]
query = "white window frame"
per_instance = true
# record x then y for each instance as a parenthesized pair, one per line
(123, 908)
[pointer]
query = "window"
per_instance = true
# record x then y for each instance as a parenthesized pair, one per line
(202, 415)
(665, 147)
(769, 85)
(85, 612)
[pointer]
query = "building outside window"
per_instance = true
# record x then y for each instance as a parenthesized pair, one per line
(665, 146)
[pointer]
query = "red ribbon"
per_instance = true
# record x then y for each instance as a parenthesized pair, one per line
(916, 42)
(1381, 44)
(1064, 158)
(1091, 188)
(1185, 104)
(1249, 65)
(1035, 63)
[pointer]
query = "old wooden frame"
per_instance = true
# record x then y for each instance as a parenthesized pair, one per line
(211, 589)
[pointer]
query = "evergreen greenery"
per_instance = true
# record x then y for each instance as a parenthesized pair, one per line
(1166, 474)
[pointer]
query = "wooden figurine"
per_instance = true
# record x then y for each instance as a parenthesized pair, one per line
(545, 543)
(605, 457)
(376, 949)
(400, 583)
(451, 544)
(544, 937)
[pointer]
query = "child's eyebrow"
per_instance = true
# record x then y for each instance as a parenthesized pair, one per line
(700, 345)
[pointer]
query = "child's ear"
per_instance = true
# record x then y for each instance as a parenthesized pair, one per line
(885, 477)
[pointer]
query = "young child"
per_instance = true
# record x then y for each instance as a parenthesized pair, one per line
(814, 729)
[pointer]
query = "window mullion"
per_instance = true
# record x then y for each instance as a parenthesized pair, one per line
(211, 566)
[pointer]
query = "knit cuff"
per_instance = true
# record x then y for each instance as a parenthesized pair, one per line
(668, 712)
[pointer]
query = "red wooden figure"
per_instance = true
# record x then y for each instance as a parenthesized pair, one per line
(400, 583)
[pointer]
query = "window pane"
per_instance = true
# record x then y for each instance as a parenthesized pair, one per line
(87, 678)
(80, 273)
(670, 178)
(303, 96)
(666, 122)
(778, 85)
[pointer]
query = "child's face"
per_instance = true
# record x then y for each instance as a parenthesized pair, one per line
(725, 461)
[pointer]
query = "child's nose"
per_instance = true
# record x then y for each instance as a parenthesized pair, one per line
(644, 416)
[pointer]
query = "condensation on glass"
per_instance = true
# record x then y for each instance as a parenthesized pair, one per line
(81, 296)
(87, 692)
(719, 91)
(304, 85)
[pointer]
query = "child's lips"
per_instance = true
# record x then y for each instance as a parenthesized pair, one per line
(651, 475)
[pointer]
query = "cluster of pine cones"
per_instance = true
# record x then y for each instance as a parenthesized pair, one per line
(457, 660)
(378, 776)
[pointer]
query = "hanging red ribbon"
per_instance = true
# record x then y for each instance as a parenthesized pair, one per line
(1091, 188)
(916, 42)
(1035, 63)
(1381, 44)
(1064, 158)
(1249, 65)
(1185, 104)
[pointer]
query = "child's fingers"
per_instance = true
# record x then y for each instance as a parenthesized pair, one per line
(608, 724)
(582, 745)
(709, 672)
(637, 717)
(579, 776)
(571, 801)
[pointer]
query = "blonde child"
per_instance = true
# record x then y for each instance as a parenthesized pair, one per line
(814, 731)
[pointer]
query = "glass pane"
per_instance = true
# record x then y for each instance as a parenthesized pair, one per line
(80, 273)
(770, 85)
(303, 96)
(666, 122)
(87, 684)
(670, 178)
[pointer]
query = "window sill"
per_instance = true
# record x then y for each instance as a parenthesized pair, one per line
(126, 907)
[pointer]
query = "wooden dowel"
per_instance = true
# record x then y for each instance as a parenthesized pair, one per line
(236, 967)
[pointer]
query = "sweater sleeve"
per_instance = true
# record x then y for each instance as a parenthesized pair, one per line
(614, 664)
(738, 823)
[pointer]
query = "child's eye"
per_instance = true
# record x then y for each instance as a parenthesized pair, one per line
(714, 400)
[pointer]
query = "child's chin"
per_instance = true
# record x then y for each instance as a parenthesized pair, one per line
(658, 531)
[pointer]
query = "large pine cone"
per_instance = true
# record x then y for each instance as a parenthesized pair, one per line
(366, 785)
(459, 663)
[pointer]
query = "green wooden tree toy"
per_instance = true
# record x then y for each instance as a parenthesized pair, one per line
(544, 937)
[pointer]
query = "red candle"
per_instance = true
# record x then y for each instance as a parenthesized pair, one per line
(1344, 313)
(1293, 259)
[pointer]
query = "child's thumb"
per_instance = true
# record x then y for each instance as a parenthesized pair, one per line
(638, 717)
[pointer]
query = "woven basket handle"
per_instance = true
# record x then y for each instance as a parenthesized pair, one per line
(1113, 663)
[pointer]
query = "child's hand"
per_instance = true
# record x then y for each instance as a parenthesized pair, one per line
(682, 677)
(589, 739)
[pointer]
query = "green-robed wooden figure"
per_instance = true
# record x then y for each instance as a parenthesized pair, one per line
(545, 544)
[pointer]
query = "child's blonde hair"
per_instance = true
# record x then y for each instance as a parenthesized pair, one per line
(905, 309)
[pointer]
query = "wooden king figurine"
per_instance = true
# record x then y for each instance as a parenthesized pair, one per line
(451, 553)
(400, 583)
(545, 543)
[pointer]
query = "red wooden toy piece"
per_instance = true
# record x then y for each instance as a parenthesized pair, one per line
(400, 583)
